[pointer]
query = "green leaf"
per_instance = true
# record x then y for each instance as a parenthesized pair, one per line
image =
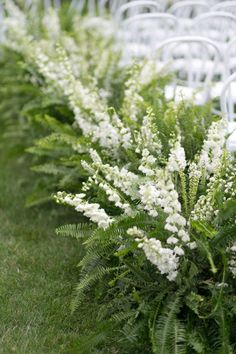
(228, 210)
(203, 228)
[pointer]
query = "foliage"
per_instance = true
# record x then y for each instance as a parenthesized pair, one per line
(152, 178)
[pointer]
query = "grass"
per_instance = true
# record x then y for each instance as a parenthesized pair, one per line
(37, 270)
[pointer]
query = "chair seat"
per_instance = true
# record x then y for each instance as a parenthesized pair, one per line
(217, 88)
(179, 93)
(198, 65)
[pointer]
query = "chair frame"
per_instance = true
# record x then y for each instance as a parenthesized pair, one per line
(187, 3)
(214, 14)
(222, 6)
(153, 15)
(191, 40)
(227, 55)
(151, 4)
(223, 98)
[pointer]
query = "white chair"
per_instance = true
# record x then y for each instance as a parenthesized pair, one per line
(195, 67)
(230, 57)
(134, 8)
(226, 6)
(185, 11)
(228, 110)
(142, 33)
(216, 25)
(188, 9)
(227, 68)
(114, 5)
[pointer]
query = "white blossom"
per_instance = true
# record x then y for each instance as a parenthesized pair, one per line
(147, 137)
(132, 99)
(162, 194)
(122, 179)
(150, 198)
(177, 160)
(148, 162)
(91, 210)
(165, 259)
(113, 196)
(51, 23)
(213, 147)
(232, 259)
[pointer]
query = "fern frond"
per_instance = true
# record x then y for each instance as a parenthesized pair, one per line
(75, 230)
(178, 338)
(123, 316)
(87, 282)
(165, 327)
(225, 346)
(54, 124)
(50, 169)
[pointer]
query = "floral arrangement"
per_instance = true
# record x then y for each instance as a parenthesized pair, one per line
(153, 180)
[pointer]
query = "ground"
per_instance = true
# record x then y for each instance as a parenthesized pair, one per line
(38, 269)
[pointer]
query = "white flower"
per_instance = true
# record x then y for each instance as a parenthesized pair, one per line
(172, 240)
(177, 160)
(179, 251)
(183, 235)
(192, 245)
(121, 178)
(113, 196)
(132, 99)
(171, 228)
(134, 231)
(213, 147)
(108, 131)
(52, 23)
(165, 259)
(147, 163)
(149, 197)
(148, 137)
(95, 157)
(194, 171)
(93, 211)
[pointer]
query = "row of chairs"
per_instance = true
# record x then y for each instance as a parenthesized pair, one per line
(204, 61)
(185, 9)
(217, 25)
(100, 7)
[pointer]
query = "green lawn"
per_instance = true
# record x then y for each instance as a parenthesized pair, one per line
(37, 270)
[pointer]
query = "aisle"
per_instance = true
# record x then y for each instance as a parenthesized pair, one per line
(37, 271)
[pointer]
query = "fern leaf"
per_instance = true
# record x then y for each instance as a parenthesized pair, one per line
(50, 169)
(165, 327)
(87, 282)
(75, 230)
(178, 338)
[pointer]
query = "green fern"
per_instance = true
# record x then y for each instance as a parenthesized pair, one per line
(78, 231)
(87, 282)
(165, 327)
(178, 343)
